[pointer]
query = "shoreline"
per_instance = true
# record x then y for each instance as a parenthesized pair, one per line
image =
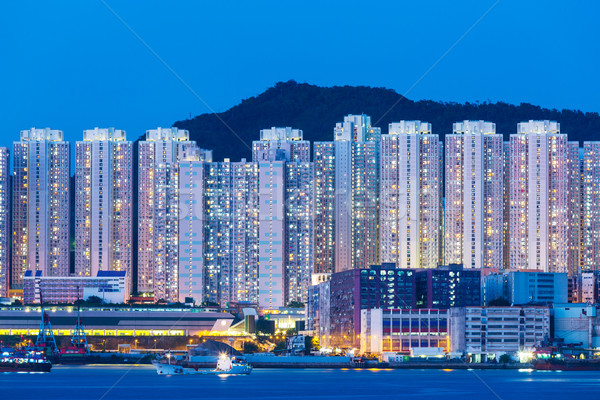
(343, 365)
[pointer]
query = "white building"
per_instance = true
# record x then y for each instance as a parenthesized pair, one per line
(231, 231)
(4, 222)
(346, 196)
(285, 204)
(110, 286)
(474, 196)
(412, 332)
(577, 324)
(158, 202)
(191, 227)
(40, 204)
(103, 203)
(539, 209)
(324, 160)
(486, 332)
(590, 211)
(411, 195)
(589, 286)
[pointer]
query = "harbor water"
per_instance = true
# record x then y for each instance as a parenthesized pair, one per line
(113, 382)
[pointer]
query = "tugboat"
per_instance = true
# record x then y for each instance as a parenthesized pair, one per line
(227, 365)
(23, 361)
(552, 359)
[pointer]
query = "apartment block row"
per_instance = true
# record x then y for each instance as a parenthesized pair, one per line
(190, 228)
(181, 225)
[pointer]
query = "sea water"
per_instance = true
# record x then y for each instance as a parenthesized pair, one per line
(101, 382)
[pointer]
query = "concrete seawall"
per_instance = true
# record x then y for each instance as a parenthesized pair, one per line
(266, 361)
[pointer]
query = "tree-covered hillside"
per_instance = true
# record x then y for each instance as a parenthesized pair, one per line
(316, 109)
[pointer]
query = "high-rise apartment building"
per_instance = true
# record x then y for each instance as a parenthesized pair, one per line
(286, 207)
(325, 195)
(4, 221)
(474, 212)
(158, 208)
(191, 226)
(347, 195)
(539, 209)
(590, 209)
(104, 203)
(574, 162)
(411, 188)
(231, 231)
(40, 206)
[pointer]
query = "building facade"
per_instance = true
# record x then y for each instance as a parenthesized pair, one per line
(190, 229)
(521, 287)
(104, 203)
(325, 195)
(158, 209)
(474, 196)
(110, 286)
(408, 331)
(448, 286)
(485, 331)
(411, 196)
(574, 162)
(539, 209)
(346, 196)
(231, 231)
(286, 208)
(4, 221)
(40, 204)
(590, 212)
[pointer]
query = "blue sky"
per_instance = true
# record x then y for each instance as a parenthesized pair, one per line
(74, 65)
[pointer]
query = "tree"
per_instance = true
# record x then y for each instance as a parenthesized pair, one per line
(280, 346)
(505, 358)
(265, 327)
(290, 332)
(309, 343)
(295, 304)
(94, 301)
(250, 347)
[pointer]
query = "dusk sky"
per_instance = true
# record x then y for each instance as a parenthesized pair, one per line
(74, 65)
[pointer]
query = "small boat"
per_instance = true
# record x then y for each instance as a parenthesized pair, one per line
(227, 365)
(566, 364)
(23, 361)
(553, 359)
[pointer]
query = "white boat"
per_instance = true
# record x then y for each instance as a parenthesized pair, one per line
(227, 365)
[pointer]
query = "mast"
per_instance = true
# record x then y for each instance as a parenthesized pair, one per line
(79, 339)
(45, 336)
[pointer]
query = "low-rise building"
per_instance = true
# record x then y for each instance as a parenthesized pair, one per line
(407, 331)
(577, 324)
(448, 286)
(318, 311)
(523, 287)
(379, 286)
(285, 318)
(388, 287)
(107, 321)
(110, 286)
(589, 284)
(488, 332)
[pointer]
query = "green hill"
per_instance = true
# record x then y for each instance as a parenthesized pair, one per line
(316, 109)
